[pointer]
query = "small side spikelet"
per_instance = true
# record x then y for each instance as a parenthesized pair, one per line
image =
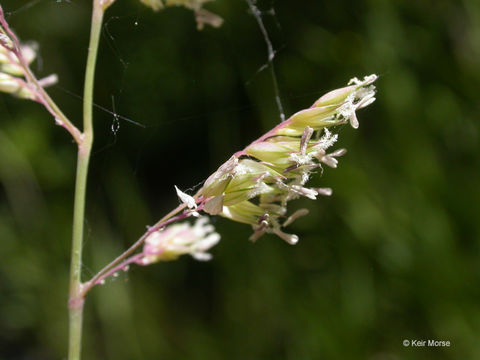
(179, 239)
(15, 59)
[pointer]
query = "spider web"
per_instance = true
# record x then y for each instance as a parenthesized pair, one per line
(258, 15)
(109, 37)
(110, 41)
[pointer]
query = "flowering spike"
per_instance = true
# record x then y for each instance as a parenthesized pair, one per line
(255, 185)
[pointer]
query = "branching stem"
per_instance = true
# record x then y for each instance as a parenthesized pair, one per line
(76, 300)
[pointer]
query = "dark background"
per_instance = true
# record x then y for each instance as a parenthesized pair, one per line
(392, 255)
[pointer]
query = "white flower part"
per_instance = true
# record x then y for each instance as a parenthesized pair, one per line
(300, 159)
(242, 169)
(338, 152)
(260, 188)
(363, 96)
(347, 110)
(330, 159)
(202, 227)
(304, 177)
(366, 80)
(180, 239)
(292, 239)
(29, 51)
(186, 199)
(198, 250)
(300, 190)
(365, 92)
(327, 139)
(324, 191)
(305, 158)
(366, 96)
(202, 256)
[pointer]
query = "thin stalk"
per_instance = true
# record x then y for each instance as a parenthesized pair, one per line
(52, 107)
(76, 301)
(166, 220)
(119, 261)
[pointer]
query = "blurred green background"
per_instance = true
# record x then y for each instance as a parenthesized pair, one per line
(392, 255)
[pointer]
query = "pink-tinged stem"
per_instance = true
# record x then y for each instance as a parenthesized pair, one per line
(41, 95)
(124, 259)
(123, 266)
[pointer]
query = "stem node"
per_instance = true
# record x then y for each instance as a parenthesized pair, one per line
(85, 140)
